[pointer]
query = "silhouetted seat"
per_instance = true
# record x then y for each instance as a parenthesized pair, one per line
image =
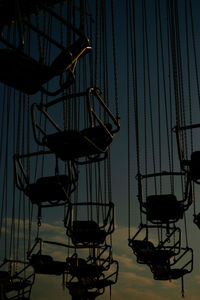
(81, 288)
(24, 73)
(196, 220)
(195, 166)
(147, 253)
(164, 272)
(91, 295)
(103, 283)
(163, 208)
(4, 277)
(49, 189)
(17, 285)
(84, 142)
(44, 264)
(80, 268)
(84, 232)
(8, 12)
(71, 144)
(78, 291)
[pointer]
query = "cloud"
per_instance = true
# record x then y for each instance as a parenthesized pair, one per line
(128, 278)
(137, 294)
(197, 278)
(127, 262)
(169, 284)
(48, 287)
(120, 240)
(135, 281)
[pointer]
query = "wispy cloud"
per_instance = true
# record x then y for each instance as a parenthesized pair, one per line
(138, 294)
(135, 280)
(129, 277)
(128, 262)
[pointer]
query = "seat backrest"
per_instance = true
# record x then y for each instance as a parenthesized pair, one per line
(139, 246)
(35, 258)
(63, 179)
(85, 226)
(165, 197)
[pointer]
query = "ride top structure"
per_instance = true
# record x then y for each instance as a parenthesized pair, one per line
(49, 49)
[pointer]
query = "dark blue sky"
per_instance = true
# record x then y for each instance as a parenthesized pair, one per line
(155, 85)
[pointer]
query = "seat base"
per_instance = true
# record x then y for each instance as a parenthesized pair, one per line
(169, 274)
(49, 189)
(147, 253)
(85, 232)
(163, 208)
(44, 264)
(71, 144)
(195, 166)
(23, 72)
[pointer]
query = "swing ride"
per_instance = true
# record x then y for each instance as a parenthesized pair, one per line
(62, 137)
(166, 150)
(60, 119)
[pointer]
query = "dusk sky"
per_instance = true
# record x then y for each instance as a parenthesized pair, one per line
(145, 59)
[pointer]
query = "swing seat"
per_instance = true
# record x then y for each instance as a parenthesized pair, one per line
(89, 270)
(22, 72)
(163, 208)
(78, 291)
(48, 189)
(44, 264)
(8, 10)
(18, 285)
(84, 232)
(147, 253)
(102, 283)
(71, 144)
(195, 166)
(4, 278)
(94, 284)
(164, 272)
(80, 268)
(196, 220)
(92, 295)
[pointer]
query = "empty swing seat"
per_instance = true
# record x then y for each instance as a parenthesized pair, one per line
(8, 9)
(163, 208)
(147, 253)
(24, 73)
(71, 144)
(195, 166)
(48, 189)
(4, 278)
(84, 232)
(44, 264)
